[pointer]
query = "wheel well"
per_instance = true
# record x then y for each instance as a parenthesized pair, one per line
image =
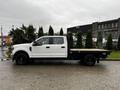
(18, 52)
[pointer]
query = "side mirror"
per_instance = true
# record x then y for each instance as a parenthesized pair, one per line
(35, 43)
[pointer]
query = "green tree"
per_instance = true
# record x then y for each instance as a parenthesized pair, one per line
(79, 40)
(109, 42)
(61, 31)
(70, 40)
(118, 44)
(24, 29)
(23, 34)
(51, 31)
(89, 42)
(17, 35)
(30, 33)
(40, 32)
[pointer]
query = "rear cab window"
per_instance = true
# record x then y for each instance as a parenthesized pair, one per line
(56, 40)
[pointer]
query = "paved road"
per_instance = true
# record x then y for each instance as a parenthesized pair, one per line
(103, 76)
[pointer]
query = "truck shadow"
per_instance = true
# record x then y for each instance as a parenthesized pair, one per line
(60, 68)
(56, 68)
(60, 63)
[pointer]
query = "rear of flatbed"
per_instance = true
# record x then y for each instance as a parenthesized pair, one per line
(88, 56)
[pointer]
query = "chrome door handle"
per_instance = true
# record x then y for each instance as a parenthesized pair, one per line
(63, 47)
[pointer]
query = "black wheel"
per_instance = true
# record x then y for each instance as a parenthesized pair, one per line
(21, 59)
(81, 62)
(89, 60)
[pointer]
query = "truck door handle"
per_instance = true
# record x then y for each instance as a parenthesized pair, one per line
(63, 47)
(47, 47)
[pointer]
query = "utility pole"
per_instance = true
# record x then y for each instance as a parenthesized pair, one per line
(1, 44)
(1, 38)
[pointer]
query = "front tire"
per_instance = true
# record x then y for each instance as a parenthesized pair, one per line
(21, 59)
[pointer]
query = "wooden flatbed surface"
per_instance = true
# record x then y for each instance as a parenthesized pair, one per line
(89, 50)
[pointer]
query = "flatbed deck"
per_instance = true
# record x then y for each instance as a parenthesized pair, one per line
(89, 50)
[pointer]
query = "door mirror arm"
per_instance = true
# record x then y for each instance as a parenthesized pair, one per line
(35, 43)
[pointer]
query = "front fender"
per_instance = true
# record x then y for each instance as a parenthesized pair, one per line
(21, 51)
(27, 51)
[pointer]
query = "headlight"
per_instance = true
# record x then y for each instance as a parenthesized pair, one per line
(12, 48)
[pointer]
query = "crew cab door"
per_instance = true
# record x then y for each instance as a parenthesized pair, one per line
(50, 47)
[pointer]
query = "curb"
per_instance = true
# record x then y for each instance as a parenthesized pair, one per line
(112, 59)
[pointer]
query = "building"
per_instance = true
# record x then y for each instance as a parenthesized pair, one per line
(100, 30)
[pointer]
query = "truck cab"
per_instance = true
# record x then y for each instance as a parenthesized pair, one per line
(43, 47)
(49, 47)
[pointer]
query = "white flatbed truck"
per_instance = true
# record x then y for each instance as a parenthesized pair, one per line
(54, 48)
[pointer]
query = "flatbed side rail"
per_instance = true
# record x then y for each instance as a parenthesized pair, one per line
(89, 50)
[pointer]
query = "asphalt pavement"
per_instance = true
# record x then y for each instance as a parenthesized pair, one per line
(3, 53)
(60, 76)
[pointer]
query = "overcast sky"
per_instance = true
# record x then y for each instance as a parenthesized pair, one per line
(58, 13)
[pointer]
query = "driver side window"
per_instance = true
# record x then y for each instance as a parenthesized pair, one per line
(43, 41)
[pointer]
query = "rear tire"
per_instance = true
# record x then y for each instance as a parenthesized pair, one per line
(90, 60)
(21, 59)
(81, 62)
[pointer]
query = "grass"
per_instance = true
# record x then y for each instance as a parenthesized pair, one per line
(114, 55)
